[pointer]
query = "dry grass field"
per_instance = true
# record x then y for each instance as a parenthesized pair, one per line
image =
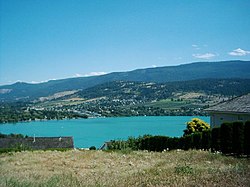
(101, 168)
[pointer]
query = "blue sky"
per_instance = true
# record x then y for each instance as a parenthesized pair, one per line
(44, 39)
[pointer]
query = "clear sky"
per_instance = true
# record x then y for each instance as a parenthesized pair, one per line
(51, 39)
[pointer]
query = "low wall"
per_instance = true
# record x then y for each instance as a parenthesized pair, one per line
(38, 142)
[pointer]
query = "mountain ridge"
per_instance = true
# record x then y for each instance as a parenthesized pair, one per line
(183, 72)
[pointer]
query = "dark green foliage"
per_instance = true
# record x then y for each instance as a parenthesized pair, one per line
(238, 138)
(161, 143)
(187, 142)
(92, 148)
(226, 138)
(134, 143)
(197, 140)
(173, 143)
(230, 138)
(247, 138)
(206, 139)
(215, 139)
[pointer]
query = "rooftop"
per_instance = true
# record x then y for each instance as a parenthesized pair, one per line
(237, 105)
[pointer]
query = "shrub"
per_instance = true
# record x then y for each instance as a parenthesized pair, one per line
(92, 148)
(173, 143)
(238, 138)
(215, 139)
(206, 140)
(145, 142)
(247, 138)
(117, 145)
(186, 142)
(226, 138)
(196, 140)
(133, 143)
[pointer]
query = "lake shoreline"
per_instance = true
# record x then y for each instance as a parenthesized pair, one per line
(40, 120)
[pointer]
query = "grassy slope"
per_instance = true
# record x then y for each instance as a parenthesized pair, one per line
(98, 168)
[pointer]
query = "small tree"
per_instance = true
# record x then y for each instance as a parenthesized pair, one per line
(197, 140)
(238, 137)
(216, 140)
(186, 142)
(196, 125)
(206, 139)
(226, 133)
(247, 138)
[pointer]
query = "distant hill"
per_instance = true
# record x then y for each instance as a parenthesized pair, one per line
(151, 91)
(130, 98)
(185, 72)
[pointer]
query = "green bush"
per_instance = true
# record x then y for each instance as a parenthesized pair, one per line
(92, 148)
(133, 143)
(173, 143)
(215, 139)
(206, 140)
(229, 138)
(117, 145)
(247, 138)
(196, 140)
(238, 138)
(226, 133)
(187, 142)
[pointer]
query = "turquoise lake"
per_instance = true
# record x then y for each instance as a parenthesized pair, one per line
(95, 131)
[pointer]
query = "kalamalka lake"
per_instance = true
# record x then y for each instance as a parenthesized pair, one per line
(96, 131)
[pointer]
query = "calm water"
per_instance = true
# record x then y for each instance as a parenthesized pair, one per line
(89, 132)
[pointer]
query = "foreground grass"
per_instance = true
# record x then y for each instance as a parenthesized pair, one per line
(99, 168)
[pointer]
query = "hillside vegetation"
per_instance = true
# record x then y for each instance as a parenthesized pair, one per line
(128, 98)
(99, 168)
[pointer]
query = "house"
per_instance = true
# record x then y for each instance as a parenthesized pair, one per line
(237, 109)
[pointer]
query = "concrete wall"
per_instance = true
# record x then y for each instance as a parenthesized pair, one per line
(216, 119)
(38, 142)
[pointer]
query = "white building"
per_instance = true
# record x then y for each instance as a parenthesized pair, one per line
(237, 109)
